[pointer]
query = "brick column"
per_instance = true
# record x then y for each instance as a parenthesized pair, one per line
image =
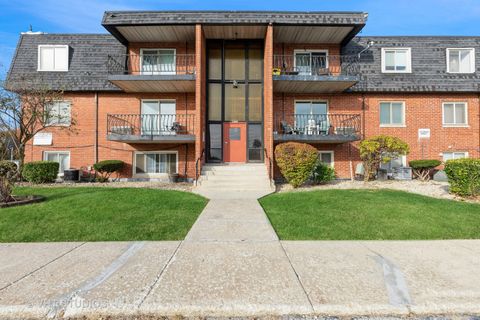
(268, 95)
(200, 93)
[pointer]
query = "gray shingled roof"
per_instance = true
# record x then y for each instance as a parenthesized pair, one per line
(429, 65)
(88, 70)
(112, 18)
(87, 64)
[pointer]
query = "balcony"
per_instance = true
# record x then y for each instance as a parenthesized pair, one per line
(317, 128)
(152, 72)
(151, 128)
(314, 72)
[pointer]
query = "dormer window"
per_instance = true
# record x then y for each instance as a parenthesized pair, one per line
(461, 60)
(396, 60)
(52, 58)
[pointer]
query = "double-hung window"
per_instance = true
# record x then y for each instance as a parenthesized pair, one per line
(461, 60)
(455, 114)
(58, 113)
(158, 61)
(155, 163)
(392, 114)
(52, 58)
(62, 157)
(396, 60)
(454, 155)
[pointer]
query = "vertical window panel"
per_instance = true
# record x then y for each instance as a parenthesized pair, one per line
(215, 63)
(234, 63)
(255, 63)
(234, 102)
(255, 102)
(215, 101)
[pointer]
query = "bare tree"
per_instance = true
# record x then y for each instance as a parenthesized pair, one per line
(26, 108)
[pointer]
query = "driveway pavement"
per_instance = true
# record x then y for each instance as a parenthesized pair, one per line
(232, 264)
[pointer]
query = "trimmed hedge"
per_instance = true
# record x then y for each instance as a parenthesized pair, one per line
(107, 167)
(40, 171)
(296, 161)
(423, 164)
(464, 176)
(423, 168)
(322, 173)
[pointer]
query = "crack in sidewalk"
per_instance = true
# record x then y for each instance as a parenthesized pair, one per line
(42, 266)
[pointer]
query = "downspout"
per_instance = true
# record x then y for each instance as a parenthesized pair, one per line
(363, 115)
(96, 128)
(185, 165)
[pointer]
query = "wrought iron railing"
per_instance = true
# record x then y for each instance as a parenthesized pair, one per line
(318, 124)
(320, 65)
(150, 124)
(151, 64)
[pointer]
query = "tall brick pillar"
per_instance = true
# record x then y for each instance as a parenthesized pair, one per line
(268, 96)
(200, 93)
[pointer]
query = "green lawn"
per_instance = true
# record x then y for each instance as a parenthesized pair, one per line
(101, 214)
(369, 215)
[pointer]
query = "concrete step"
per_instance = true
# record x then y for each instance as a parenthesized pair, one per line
(222, 177)
(235, 184)
(235, 168)
(262, 173)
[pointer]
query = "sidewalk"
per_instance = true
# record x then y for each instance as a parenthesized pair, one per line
(232, 264)
(265, 278)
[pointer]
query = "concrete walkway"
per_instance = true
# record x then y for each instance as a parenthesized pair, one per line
(232, 264)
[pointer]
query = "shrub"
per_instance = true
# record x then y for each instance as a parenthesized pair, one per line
(107, 167)
(423, 168)
(8, 177)
(464, 176)
(40, 171)
(322, 173)
(380, 149)
(296, 161)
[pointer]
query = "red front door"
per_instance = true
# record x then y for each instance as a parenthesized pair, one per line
(235, 142)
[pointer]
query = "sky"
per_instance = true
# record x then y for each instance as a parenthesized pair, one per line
(386, 17)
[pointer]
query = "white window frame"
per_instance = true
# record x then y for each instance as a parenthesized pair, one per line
(41, 46)
(408, 68)
(311, 102)
(457, 125)
(472, 57)
(159, 72)
(49, 123)
(309, 51)
(393, 125)
(152, 175)
(45, 153)
(332, 153)
(453, 153)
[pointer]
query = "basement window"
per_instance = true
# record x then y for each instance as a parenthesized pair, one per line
(52, 58)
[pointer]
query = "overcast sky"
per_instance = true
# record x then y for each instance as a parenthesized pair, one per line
(386, 17)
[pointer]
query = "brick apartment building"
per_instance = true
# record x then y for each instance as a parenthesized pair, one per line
(168, 91)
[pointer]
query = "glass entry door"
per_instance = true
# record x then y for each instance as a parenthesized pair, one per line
(235, 100)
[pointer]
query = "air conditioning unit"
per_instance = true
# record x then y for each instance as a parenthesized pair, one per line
(121, 130)
(402, 173)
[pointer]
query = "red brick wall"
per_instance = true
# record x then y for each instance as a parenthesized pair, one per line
(268, 96)
(200, 93)
(423, 110)
(80, 140)
(288, 49)
(185, 52)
